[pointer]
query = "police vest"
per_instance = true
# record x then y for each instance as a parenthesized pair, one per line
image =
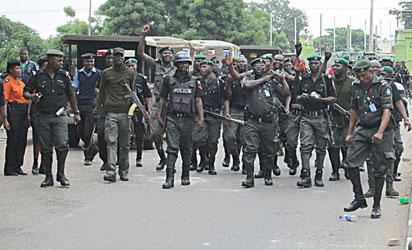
(182, 96)
(87, 85)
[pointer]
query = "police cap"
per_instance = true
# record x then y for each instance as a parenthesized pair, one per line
(362, 65)
(131, 60)
(342, 61)
(257, 60)
(88, 56)
(387, 69)
(165, 49)
(54, 52)
(200, 56)
(387, 59)
(313, 57)
(118, 50)
(210, 63)
(267, 56)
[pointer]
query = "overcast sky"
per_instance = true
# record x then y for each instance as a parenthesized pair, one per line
(45, 15)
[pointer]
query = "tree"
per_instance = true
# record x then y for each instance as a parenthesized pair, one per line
(341, 38)
(404, 15)
(14, 36)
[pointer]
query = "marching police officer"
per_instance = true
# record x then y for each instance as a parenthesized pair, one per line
(340, 122)
(371, 109)
(207, 138)
(196, 64)
(163, 68)
(51, 88)
(84, 84)
(316, 92)
(182, 93)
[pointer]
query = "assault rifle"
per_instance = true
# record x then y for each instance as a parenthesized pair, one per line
(224, 117)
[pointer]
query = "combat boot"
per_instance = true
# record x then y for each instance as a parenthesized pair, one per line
(170, 172)
(47, 159)
(293, 162)
(376, 209)
(35, 169)
(335, 162)
(249, 181)
(236, 163)
(276, 169)
(61, 159)
(304, 180)
(48, 181)
(395, 169)
(318, 178)
(211, 161)
(185, 176)
(162, 161)
(359, 201)
(203, 159)
(259, 174)
(371, 180)
(390, 191)
(268, 177)
(193, 162)
(226, 161)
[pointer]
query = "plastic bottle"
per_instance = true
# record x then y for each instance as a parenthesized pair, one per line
(351, 218)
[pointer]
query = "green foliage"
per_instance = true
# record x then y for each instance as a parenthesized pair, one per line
(14, 36)
(341, 38)
(69, 11)
(404, 15)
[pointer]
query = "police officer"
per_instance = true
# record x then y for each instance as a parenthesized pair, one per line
(144, 94)
(387, 61)
(259, 121)
(234, 107)
(84, 84)
(115, 101)
(182, 93)
(340, 122)
(54, 86)
(196, 64)
(207, 137)
(2, 105)
(371, 109)
(316, 92)
(163, 68)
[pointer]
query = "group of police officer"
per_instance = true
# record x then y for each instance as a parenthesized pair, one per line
(264, 110)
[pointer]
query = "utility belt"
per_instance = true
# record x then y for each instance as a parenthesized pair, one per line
(269, 118)
(176, 114)
(315, 112)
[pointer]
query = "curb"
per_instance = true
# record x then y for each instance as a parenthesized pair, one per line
(408, 239)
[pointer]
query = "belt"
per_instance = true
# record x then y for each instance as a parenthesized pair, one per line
(314, 112)
(264, 119)
(296, 111)
(181, 115)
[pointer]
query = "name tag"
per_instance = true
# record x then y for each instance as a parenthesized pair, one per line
(372, 107)
(182, 91)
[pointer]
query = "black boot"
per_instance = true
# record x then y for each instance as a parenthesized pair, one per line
(236, 163)
(249, 181)
(185, 176)
(193, 162)
(318, 178)
(48, 182)
(61, 159)
(376, 209)
(259, 175)
(304, 180)
(335, 162)
(47, 159)
(226, 161)
(162, 161)
(35, 168)
(203, 159)
(359, 201)
(276, 169)
(293, 162)
(395, 169)
(41, 168)
(170, 171)
(268, 177)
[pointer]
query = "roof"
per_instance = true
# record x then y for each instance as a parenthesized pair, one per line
(214, 44)
(74, 39)
(257, 47)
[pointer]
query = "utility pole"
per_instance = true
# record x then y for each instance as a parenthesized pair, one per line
(296, 31)
(371, 27)
(350, 34)
(271, 29)
(364, 38)
(90, 18)
(376, 39)
(320, 35)
(334, 34)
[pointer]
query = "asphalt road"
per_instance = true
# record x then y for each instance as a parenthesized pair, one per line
(215, 212)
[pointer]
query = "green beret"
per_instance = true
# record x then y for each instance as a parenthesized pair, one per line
(372, 58)
(210, 63)
(257, 60)
(342, 61)
(362, 65)
(54, 52)
(131, 60)
(88, 56)
(42, 59)
(387, 69)
(165, 49)
(267, 56)
(346, 56)
(388, 59)
(200, 56)
(118, 50)
(314, 57)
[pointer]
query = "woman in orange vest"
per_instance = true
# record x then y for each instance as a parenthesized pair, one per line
(16, 122)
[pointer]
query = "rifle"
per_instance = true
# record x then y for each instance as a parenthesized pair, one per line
(330, 127)
(240, 122)
(293, 122)
(341, 110)
(137, 101)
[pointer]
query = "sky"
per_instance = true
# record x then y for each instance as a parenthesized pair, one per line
(45, 17)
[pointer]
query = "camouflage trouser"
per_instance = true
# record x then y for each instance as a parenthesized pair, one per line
(233, 133)
(156, 135)
(381, 153)
(313, 135)
(259, 137)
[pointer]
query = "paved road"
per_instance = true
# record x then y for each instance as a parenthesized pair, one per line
(215, 212)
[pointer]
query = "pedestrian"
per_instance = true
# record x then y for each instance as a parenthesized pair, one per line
(340, 122)
(84, 84)
(316, 93)
(51, 89)
(114, 99)
(16, 122)
(371, 110)
(28, 67)
(206, 139)
(259, 121)
(163, 67)
(182, 92)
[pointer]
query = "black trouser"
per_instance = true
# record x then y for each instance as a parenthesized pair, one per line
(101, 142)
(16, 136)
(139, 130)
(86, 128)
